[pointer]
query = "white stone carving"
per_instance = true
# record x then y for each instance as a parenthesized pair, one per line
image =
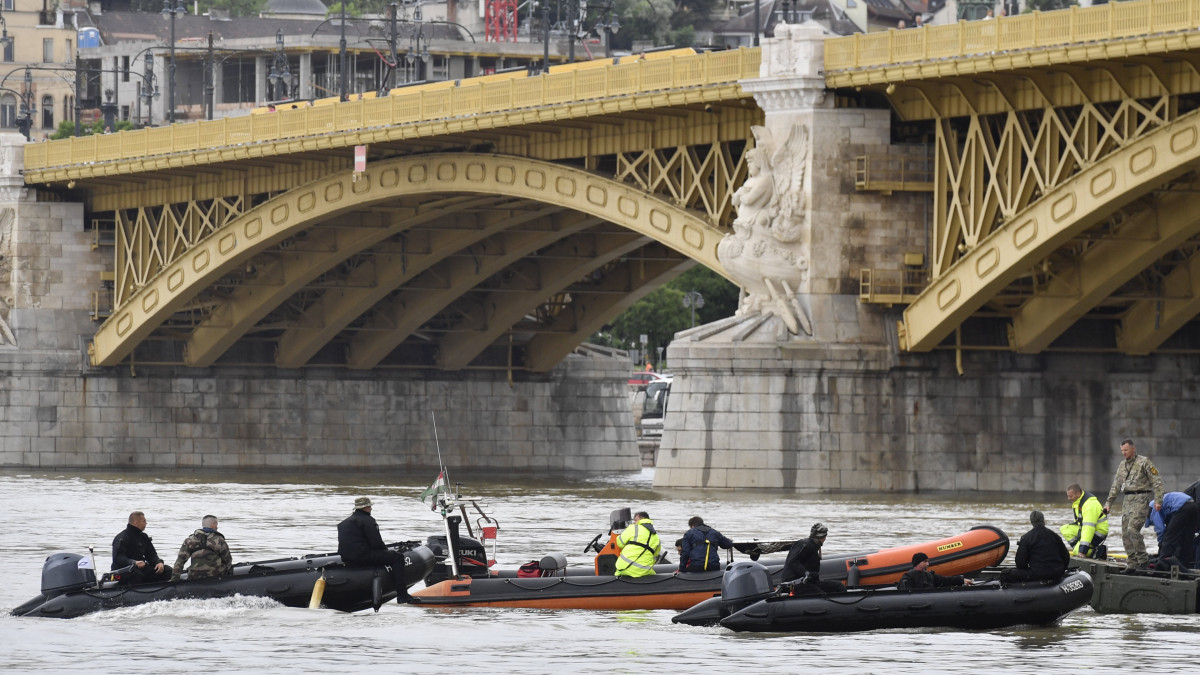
(12, 162)
(765, 253)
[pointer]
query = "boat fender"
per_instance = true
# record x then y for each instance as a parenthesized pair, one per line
(377, 592)
(318, 592)
(852, 573)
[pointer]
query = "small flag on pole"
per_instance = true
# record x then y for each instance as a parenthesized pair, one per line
(85, 563)
(438, 486)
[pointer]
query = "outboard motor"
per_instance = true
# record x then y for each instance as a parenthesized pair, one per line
(744, 584)
(62, 573)
(472, 558)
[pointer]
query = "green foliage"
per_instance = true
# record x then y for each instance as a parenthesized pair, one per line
(660, 22)
(661, 314)
(234, 7)
(66, 129)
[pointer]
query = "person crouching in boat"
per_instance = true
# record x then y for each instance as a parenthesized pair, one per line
(920, 576)
(1087, 532)
(207, 550)
(640, 548)
(1041, 554)
(361, 545)
(803, 565)
(699, 550)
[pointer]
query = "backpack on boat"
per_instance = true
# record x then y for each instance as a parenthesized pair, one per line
(530, 570)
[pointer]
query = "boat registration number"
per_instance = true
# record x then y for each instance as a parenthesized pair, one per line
(1072, 586)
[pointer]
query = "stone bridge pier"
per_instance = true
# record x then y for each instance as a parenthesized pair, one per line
(808, 389)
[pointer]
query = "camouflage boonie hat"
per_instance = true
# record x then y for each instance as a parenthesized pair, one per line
(362, 503)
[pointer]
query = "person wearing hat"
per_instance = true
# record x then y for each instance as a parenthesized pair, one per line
(361, 545)
(803, 565)
(1041, 554)
(920, 576)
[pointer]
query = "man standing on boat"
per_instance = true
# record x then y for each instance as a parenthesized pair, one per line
(1041, 554)
(207, 550)
(699, 550)
(920, 576)
(803, 564)
(1090, 527)
(1135, 476)
(640, 548)
(133, 548)
(361, 545)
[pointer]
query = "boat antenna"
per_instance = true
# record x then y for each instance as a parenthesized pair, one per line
(442, 499)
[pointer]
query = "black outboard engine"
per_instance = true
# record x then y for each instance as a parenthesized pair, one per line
(61, 573)
(472, 558)
(744, 584)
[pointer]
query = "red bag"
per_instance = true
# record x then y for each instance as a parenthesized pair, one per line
(529, 570)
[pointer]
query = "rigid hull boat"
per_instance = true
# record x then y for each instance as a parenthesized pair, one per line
(984, 606)
(469, 580)
(69, 590)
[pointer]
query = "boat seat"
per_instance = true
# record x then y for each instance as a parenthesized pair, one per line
(555, 564)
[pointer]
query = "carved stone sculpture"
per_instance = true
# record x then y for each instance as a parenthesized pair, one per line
(765, 253)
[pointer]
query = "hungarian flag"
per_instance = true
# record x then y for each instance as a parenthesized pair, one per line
(438, 486)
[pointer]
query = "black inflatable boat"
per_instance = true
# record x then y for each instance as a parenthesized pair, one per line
(70, 590)
(749, 602)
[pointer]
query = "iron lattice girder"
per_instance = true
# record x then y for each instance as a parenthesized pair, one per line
(1103, 268)
(588, 312)
(1000, 164)
(405, 311)
(1063, 212)
(337, 308)
(271, 222)
(1149, 322)
(553, 273)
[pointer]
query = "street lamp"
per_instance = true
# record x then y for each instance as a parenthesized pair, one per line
(694, 300)
(546, 36)
(281, 73)
(342, 56)
(28, 110)
(609, 25)
(167, 10)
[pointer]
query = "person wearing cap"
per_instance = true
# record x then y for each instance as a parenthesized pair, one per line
(361, 545)
(1135, 478)
(803, 565)
(920, 576)
(1041, 554)
(699, 550)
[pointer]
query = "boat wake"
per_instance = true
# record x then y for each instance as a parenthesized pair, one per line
(214, 610)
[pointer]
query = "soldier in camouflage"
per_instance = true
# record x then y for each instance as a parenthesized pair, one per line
(207, 550)
(1136, 476)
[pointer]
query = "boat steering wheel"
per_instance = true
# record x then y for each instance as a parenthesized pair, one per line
(592, 544)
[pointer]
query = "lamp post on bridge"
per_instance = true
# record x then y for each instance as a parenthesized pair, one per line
(694, 300)
(172, 12)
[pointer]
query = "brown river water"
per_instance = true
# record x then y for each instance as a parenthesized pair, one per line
(266, 515)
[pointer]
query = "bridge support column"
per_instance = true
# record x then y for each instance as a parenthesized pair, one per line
(756, 405)
(306, 87)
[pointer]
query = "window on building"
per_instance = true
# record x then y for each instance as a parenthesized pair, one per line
(47, 112)
(47, 50)
(124, 68)
(70, 50)
(125, 112)
(8, 49)
(8, 5)
(8, 111)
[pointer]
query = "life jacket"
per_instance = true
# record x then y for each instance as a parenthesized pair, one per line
(634, 554)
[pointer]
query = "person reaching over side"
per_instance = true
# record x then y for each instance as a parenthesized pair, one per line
(921, 577)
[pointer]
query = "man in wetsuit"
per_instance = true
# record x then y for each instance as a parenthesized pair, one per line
(803, 565)
(920, 576)
(134, 549)
(361, 545)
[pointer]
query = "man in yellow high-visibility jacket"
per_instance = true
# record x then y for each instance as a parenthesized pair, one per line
(1090, 527)
(640, 548)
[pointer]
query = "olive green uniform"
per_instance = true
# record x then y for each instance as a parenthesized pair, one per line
(1135, 478)
(208, 553)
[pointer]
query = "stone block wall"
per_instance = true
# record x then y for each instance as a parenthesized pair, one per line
(812, 417)
(55, 415)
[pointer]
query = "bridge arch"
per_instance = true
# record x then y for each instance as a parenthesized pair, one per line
(1079, 203)
(274, 221)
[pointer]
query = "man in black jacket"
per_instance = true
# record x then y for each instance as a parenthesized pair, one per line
(803, 565)
(920, 576)
(361, 545)
(133, 548)
(1041, 554)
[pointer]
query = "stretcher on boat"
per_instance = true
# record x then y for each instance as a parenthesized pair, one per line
(70, 589)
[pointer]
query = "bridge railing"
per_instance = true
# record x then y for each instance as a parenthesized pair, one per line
(427, 103)
(1027, 31)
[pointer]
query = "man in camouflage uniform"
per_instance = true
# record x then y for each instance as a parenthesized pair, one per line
(207, 550)
(1136, 476)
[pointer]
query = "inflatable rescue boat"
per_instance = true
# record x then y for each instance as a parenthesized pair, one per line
(748, 603)
(70, 589)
